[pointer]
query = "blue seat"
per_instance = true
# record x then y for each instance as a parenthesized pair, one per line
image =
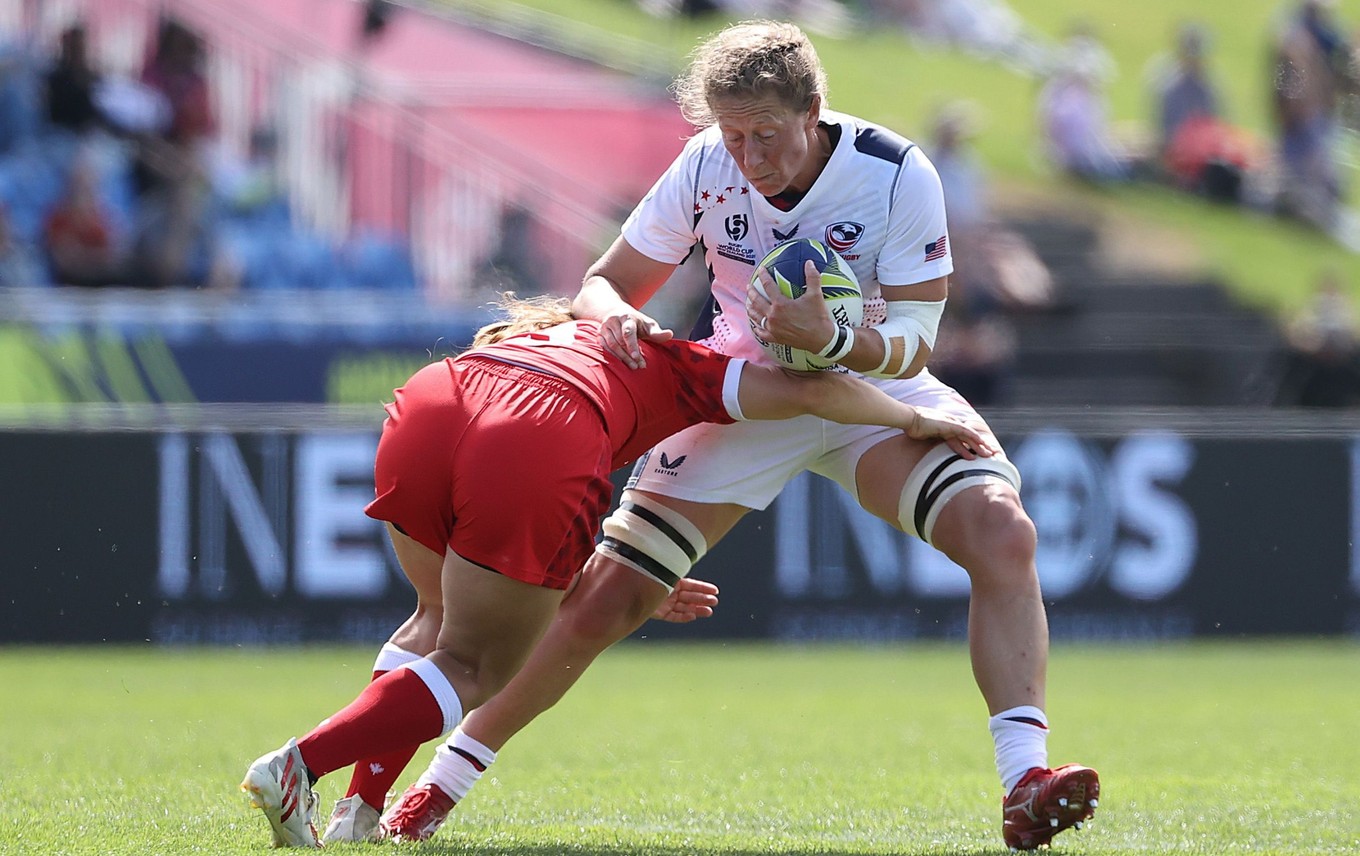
(379, 262)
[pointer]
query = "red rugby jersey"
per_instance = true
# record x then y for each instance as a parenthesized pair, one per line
(683, 384)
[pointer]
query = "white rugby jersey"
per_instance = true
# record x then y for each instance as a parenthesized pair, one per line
(878, 202)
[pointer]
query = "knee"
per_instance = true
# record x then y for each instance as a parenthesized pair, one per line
(1014, 539)
(420, 633)
(610, 602)
(993, 539)
(595, 623)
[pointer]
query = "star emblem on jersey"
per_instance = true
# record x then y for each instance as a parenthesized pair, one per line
(706, 200)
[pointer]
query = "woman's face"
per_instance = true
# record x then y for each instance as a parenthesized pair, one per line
(775, 146)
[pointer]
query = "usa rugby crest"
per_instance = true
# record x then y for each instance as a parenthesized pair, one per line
(843, 235)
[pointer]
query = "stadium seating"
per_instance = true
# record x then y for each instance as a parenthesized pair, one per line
(266, 244)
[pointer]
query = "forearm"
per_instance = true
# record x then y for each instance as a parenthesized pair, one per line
(597, 299)
(870, 352)
(852, 401)
(901, 344)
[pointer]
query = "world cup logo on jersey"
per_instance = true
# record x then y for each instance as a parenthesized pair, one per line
(736, 226)
(843, 235)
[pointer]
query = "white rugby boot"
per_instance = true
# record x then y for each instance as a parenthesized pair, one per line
(352, 820)
(277, 784)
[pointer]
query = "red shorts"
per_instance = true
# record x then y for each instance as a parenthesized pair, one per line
(505, 466)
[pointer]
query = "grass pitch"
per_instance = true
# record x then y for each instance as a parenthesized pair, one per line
(706, 749)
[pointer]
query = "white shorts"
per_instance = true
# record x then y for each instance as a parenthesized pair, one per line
(748, 463)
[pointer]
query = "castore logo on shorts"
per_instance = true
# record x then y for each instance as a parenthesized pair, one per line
(669, 466)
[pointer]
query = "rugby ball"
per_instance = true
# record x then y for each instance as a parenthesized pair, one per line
(840, 290)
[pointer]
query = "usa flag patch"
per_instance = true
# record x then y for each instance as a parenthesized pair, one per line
(936, 249)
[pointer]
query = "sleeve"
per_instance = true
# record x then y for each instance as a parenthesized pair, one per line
(661, 227)
(732, 387)
(917, 248)
(705, 381)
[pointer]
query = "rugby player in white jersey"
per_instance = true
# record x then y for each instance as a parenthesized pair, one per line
(773, 163)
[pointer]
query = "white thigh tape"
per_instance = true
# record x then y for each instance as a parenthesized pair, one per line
(938, 478)
(649, 537)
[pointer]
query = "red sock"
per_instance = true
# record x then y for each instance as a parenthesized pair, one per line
(391, 713)
(374, 777)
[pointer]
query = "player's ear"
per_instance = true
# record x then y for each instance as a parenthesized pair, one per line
(814, 112)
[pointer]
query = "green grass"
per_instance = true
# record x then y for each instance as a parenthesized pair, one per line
(706, 749)
(884, 76)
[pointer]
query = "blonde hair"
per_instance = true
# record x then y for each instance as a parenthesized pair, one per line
(523, 315)
(752, 59)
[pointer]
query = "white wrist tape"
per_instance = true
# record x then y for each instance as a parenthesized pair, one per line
(841, 343)
(909, 324)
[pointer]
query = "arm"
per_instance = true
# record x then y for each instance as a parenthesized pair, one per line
(622, 280)
(912, 266)
(803, 321)
(770, 393)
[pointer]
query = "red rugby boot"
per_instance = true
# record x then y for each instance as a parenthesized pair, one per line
(417, 814)
(1045, 802)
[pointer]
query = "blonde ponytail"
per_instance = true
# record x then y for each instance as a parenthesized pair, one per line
(523, 315)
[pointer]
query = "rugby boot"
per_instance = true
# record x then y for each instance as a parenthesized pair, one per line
(352, 820)
(1045, 802)
(277, 784)
(417, 814)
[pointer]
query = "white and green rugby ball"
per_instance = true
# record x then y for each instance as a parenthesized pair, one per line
(840, 290)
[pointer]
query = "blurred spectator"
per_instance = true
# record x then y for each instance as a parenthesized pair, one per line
(1317, 18)
(70, 85)
(251, 186)
(81, 246)
(996, 272)
(951, 151)
(172, 152)
(987, 27)
(995, 263)
(977, 353)
(1185, 90)
(19, 266)
(1074, 116)
(1311, 66)
(18, 119)
(825, 16)
(1322, 365)
(1200, 152)
(176, 72)
(176, 238)
(176, 242)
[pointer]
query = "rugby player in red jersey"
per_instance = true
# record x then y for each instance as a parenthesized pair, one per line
(492, 474)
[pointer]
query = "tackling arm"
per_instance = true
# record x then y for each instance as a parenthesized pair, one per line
(622, 280)
(770, 393)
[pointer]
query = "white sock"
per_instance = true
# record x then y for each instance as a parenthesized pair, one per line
(391, 656)
(1021, 738)
(458, 763)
